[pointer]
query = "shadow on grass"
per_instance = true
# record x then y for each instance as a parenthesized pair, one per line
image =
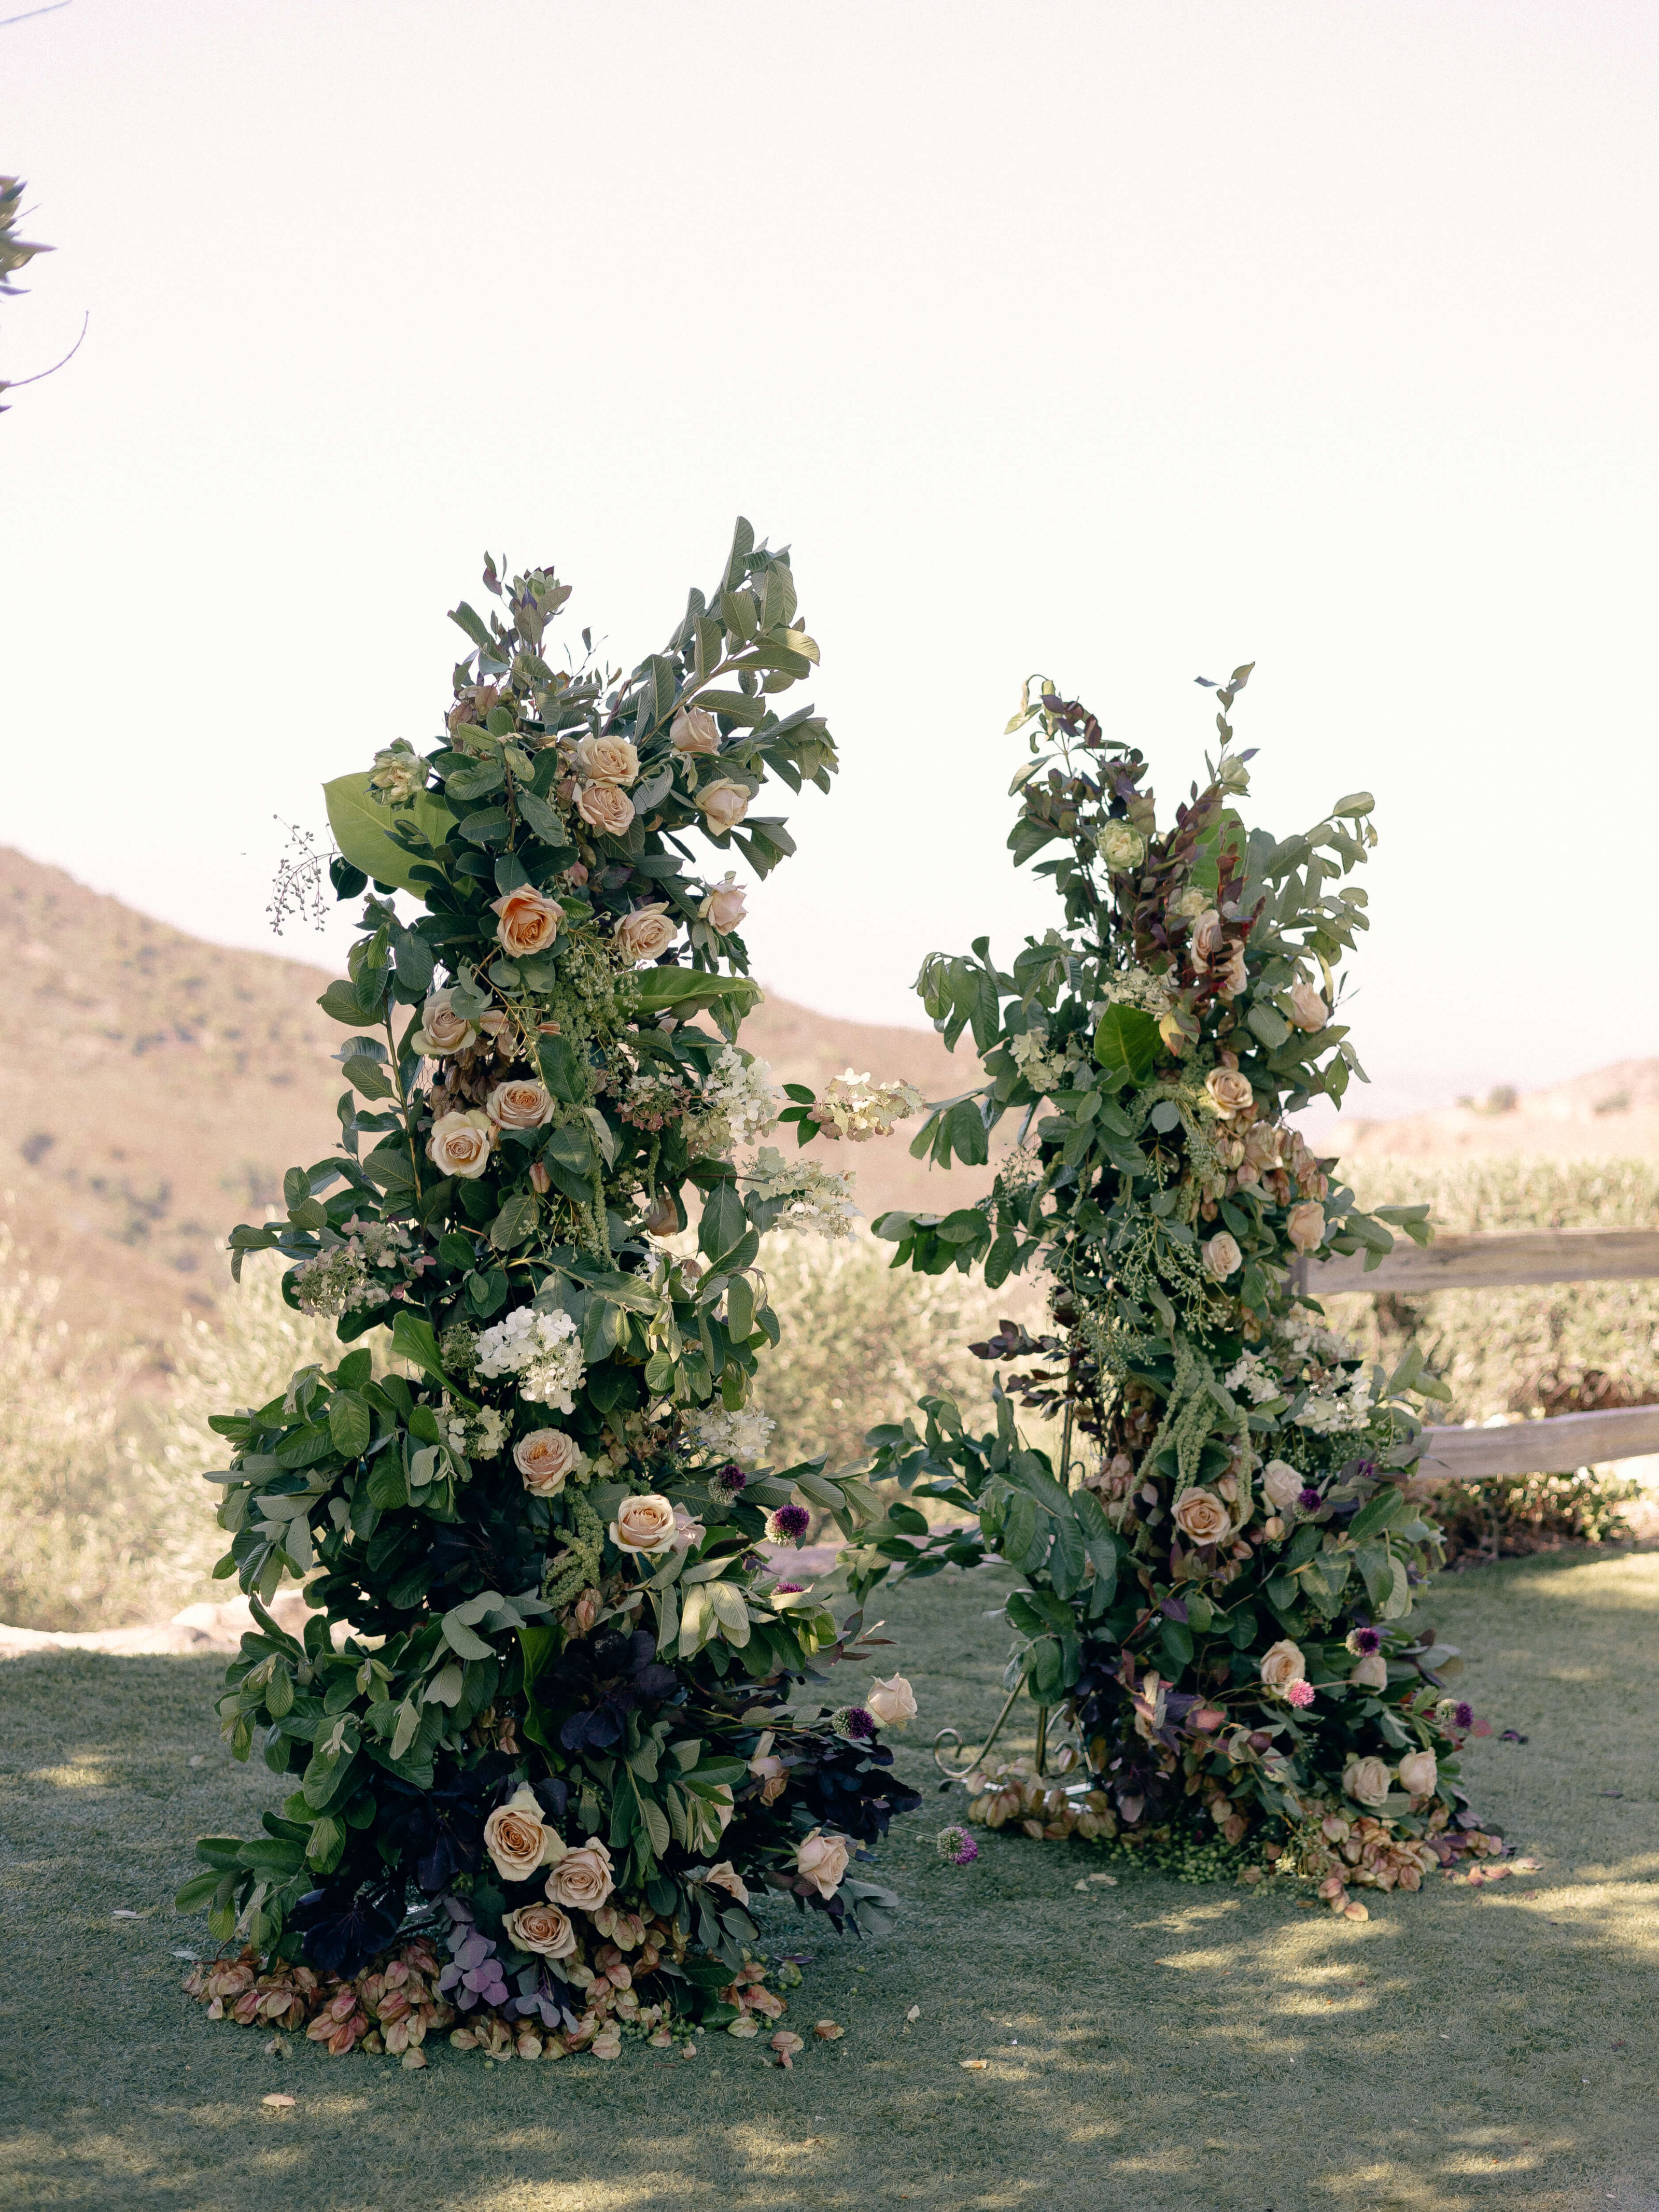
(1145, 2046)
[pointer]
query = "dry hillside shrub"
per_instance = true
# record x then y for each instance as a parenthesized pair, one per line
(862, 1343)
(100, 1527)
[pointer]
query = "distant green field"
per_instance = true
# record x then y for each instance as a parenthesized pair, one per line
(1151, 2048)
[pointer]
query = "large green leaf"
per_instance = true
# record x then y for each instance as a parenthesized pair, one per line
(362, 829)
(684, 990)
(1126, 1045)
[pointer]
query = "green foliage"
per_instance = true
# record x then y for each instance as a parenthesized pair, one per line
(543, 1580)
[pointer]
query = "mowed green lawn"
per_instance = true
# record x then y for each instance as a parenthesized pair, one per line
(1151, 2047)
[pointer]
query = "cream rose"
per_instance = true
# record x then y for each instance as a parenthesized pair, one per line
(1366, 1781)
(1120, 845)
(1208, 938)
(1305, 1225)
(1418, 1773)
(582, 1878)
(724, 804)
(1371, 1673)
(644, 933)
(541, 1929)
(644, 1525)
(694, 730)
(519, 1839)
(1202, 1517)
(1281, 1485)
(1261, 1143)
(606, 760)
(726, 1876)
(1229, 1092)
(604, 808)
(822, 1860)
(725, 906)
(1282, 1665)
(442, 1029)
(1308, 1009)
(1221, 1256)
(892, 1702)
(526, 921)
(688, 1529)
(519, 1104)
(1233, 974)
(460, 1143)
(547, 1458)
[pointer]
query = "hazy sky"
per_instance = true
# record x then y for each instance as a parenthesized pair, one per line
(1126, 341)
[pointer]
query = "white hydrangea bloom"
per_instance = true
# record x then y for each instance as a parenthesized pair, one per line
(742, 1093)
(740, 1436)
(816, 1201)
(541, 1349)
(333, 1282)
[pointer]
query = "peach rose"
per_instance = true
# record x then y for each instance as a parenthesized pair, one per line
(1232, 976)
(892, 1702)
(726, 1876)
(694, 730)
(1221, 1256)
(604, 808)
(1281, 1485)
(647, 932)
(1418, 1773)
(725, 906)
(527, 921)
(1371, 1673)
(1208, 938)
(442, 1029)
(541, 1929)
(1283, 1665)
(460, 1143)
(519, 1104)
(644, 1525)
(1261, 1143)
(547, 1458)
(519, 1839)
(1308, 1009)
(822, 1860)
(688, 1529)
(1202, 1517)
(724, 804)
(1229, 1092)
(1366, 1781)
(582, 1878)
(768, 1770)
(606, 760)
(1305, 1225)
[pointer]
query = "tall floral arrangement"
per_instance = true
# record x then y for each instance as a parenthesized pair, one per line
(1219, 1573)
(553, 1700)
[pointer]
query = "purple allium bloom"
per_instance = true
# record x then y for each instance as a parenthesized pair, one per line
(955, 1845)
(788, 1590)
(1464, 1717)
(728, 1481)
(787, 1524)
(1309, 1498)
(1364, 1642)
(854, 1724)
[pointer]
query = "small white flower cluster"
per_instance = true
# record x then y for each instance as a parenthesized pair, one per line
(1304, 1353)
(480, 1436)
(541, 1350)
(1044, 1070)
(854, 1107)
(333, 1282)
(1254, 1378)
(740, 1093)
(1338, 1403)
(740, 1436)
(1137, 987)
(817, 1202)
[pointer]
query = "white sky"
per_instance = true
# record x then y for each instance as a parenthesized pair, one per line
(1125, 342)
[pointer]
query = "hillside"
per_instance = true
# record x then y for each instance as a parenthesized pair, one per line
(161, 1086)
(1612, 1113)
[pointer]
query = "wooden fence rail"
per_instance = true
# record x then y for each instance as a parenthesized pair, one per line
(1501, 1260)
